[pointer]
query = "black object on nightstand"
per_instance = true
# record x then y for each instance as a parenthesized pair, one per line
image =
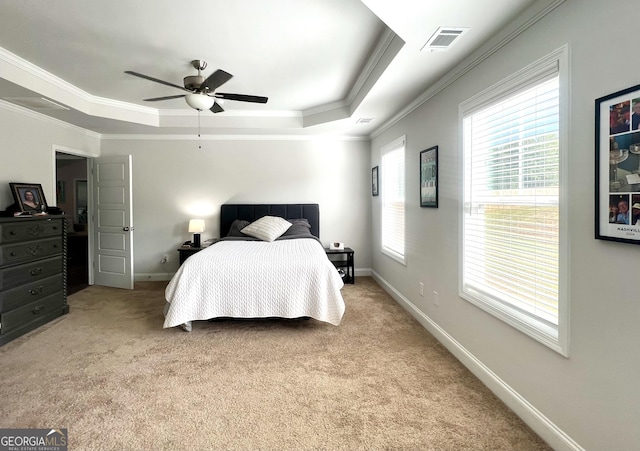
(188, 251)
(345, 262)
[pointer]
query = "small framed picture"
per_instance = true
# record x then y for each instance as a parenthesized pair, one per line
(618, 166)
(374, 181)
(29, 197)
(429, 177)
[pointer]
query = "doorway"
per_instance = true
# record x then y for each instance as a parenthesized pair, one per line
(71, 198)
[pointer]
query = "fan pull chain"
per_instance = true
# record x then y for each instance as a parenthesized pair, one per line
(199, 138)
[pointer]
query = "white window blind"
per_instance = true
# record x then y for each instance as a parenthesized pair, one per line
(511, 209)
(392, 192)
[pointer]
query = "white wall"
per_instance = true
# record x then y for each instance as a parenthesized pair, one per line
(174, 181)
(26, 149)
(593, 395)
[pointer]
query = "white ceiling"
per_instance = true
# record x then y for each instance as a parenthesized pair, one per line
(324, 64)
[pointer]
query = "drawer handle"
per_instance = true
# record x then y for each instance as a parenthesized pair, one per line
(13, 232)
(36, 291)
(38, 309)
(13, 254)
(36, 271)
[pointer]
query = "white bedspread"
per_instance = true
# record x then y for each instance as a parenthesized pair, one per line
(256, 279)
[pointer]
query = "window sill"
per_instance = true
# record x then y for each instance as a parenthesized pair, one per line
(394, 256)
(538, 330)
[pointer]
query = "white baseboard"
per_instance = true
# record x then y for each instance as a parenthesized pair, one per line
(362, 272)
(152, 277)
(544, 427)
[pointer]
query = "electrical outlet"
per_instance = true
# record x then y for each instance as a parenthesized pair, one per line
(165, 259)
(421, 289)
(435, 298)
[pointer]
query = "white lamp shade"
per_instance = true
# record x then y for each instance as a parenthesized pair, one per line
(196, 225)
(199, 101)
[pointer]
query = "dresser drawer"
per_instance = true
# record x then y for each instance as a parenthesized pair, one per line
(29, 272)
(24, 252)
(36, 311)
(16, 297)
(28, 229)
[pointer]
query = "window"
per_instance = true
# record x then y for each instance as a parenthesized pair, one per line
(392, 193)
(512, 216)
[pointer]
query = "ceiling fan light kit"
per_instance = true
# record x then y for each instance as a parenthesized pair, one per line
(201, 91)
(199, 102)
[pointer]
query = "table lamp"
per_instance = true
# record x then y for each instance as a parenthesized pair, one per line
(196, 226)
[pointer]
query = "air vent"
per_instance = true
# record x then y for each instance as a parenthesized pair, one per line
(35, 103)
(443, 39)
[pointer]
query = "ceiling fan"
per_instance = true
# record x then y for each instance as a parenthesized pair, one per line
(202, 93)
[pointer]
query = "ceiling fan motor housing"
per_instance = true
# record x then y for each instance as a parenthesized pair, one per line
(193, 82)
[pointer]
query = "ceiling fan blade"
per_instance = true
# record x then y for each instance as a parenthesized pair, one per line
(155, 99)
(241, 97)
(218, 78)
(162, 82)
(216, 108)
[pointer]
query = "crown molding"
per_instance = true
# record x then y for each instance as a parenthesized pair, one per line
(232, 113)
(386, 49)
(48, 119)
(233, 137)
(25, 67)
(178, 137)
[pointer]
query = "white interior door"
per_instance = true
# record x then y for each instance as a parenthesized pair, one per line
(113, 222)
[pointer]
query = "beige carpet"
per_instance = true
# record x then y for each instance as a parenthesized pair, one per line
(116, 380)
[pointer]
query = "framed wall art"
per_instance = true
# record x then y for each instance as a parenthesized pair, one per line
(374, 181)
(429, 177)
(618, 166)
(29, 197)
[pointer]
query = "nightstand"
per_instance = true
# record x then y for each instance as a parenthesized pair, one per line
(345, 260)
(187, 251)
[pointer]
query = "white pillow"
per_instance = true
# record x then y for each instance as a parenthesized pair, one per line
(267, 228)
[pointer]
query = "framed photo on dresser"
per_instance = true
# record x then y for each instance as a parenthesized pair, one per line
(29, 197)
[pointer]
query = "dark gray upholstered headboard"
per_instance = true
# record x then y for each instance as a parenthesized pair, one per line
(251, 212)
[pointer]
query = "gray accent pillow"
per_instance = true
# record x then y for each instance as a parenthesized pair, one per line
(298, 227)
(236, 227)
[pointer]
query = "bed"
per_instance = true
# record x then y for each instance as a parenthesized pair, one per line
(269, 263)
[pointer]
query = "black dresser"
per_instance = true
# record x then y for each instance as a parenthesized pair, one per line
(33, 276)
